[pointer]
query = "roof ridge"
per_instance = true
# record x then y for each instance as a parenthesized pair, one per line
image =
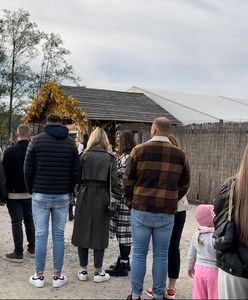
(106, 90)
(233, 100)
(179, 104)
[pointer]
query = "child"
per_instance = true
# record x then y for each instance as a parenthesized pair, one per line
(201, 257)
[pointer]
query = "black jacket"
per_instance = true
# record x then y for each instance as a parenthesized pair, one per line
(13, 161)
(234, 261)
(3, 190)
(51, 164)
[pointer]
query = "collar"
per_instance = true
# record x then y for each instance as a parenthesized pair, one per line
(23, 141)
(158, 138)
(97, 148)
(205, 229)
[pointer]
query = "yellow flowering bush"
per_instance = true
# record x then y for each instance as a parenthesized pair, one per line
(51, 100)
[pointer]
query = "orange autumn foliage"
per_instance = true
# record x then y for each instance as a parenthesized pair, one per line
(52, 100)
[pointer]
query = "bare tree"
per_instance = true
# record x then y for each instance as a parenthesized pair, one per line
(54, 66)
(20, 37)
(21, 42)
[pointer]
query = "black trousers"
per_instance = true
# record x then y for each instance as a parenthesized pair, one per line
(83, 254)
(20, 210)
(124, 251)
(174, 249)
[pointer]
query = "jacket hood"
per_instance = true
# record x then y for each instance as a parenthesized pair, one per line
(60, 132)
(204, 215)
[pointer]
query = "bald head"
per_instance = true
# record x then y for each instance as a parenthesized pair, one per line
(161, 127)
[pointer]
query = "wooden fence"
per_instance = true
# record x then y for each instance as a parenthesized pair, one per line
(214, 151)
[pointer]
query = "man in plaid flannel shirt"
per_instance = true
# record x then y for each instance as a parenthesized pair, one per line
(157, 175)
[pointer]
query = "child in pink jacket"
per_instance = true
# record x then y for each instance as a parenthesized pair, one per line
(202, 257)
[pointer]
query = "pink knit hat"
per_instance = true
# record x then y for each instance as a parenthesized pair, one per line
(203, 215)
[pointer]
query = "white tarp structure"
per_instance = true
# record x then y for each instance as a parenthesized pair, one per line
(190, 108)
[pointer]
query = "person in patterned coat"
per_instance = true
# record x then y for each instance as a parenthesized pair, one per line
(120, 224)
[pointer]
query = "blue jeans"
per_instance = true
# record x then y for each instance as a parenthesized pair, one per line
(144, 226)
(43, 205)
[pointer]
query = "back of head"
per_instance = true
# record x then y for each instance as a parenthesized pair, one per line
(160, 127)
(53, 119)
(98, 137)
(23, 132)
(204, 215)
(126, 141)
(55, 128)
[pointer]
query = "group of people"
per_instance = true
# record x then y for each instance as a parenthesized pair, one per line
(135, 196)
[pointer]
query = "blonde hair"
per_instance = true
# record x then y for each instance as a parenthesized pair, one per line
(241, 199)
(98, 137)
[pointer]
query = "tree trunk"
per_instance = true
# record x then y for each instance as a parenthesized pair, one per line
(11, 94)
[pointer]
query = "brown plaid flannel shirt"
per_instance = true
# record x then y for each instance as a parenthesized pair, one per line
(157, 175)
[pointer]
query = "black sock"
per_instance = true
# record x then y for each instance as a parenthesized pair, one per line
(124, 251)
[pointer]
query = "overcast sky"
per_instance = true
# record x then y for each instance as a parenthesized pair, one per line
(197, 46)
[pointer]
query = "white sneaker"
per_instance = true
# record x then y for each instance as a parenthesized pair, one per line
(101, 276)
(37, 281)
(83, 275)
(59, 281)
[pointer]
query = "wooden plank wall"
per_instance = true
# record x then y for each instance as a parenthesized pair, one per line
(214, 151)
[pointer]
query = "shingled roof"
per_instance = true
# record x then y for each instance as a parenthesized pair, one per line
(117, 106)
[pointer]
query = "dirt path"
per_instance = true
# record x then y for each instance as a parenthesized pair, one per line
(14, 277)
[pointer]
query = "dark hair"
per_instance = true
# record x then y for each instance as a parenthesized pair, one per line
(127, 141)
(85, 140)
(53, 118)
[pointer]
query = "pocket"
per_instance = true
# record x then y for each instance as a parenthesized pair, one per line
(40, 203)
(139, 218)
(38, 197)
(225, 236)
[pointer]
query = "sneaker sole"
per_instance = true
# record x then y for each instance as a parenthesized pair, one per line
(31, 255)
(15, 260)
(55, 285)
(38, 286)
(99, 280)
(167, 296)
(82, 279)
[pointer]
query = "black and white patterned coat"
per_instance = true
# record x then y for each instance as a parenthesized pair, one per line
(120, 225)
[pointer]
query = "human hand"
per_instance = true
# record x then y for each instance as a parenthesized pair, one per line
(191, 273)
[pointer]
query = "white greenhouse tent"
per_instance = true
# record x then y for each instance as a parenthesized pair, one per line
(192, 108)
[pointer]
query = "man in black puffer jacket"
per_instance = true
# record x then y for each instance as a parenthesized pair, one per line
(51, 171)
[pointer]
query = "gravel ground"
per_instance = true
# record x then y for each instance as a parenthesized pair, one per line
(14, 277)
